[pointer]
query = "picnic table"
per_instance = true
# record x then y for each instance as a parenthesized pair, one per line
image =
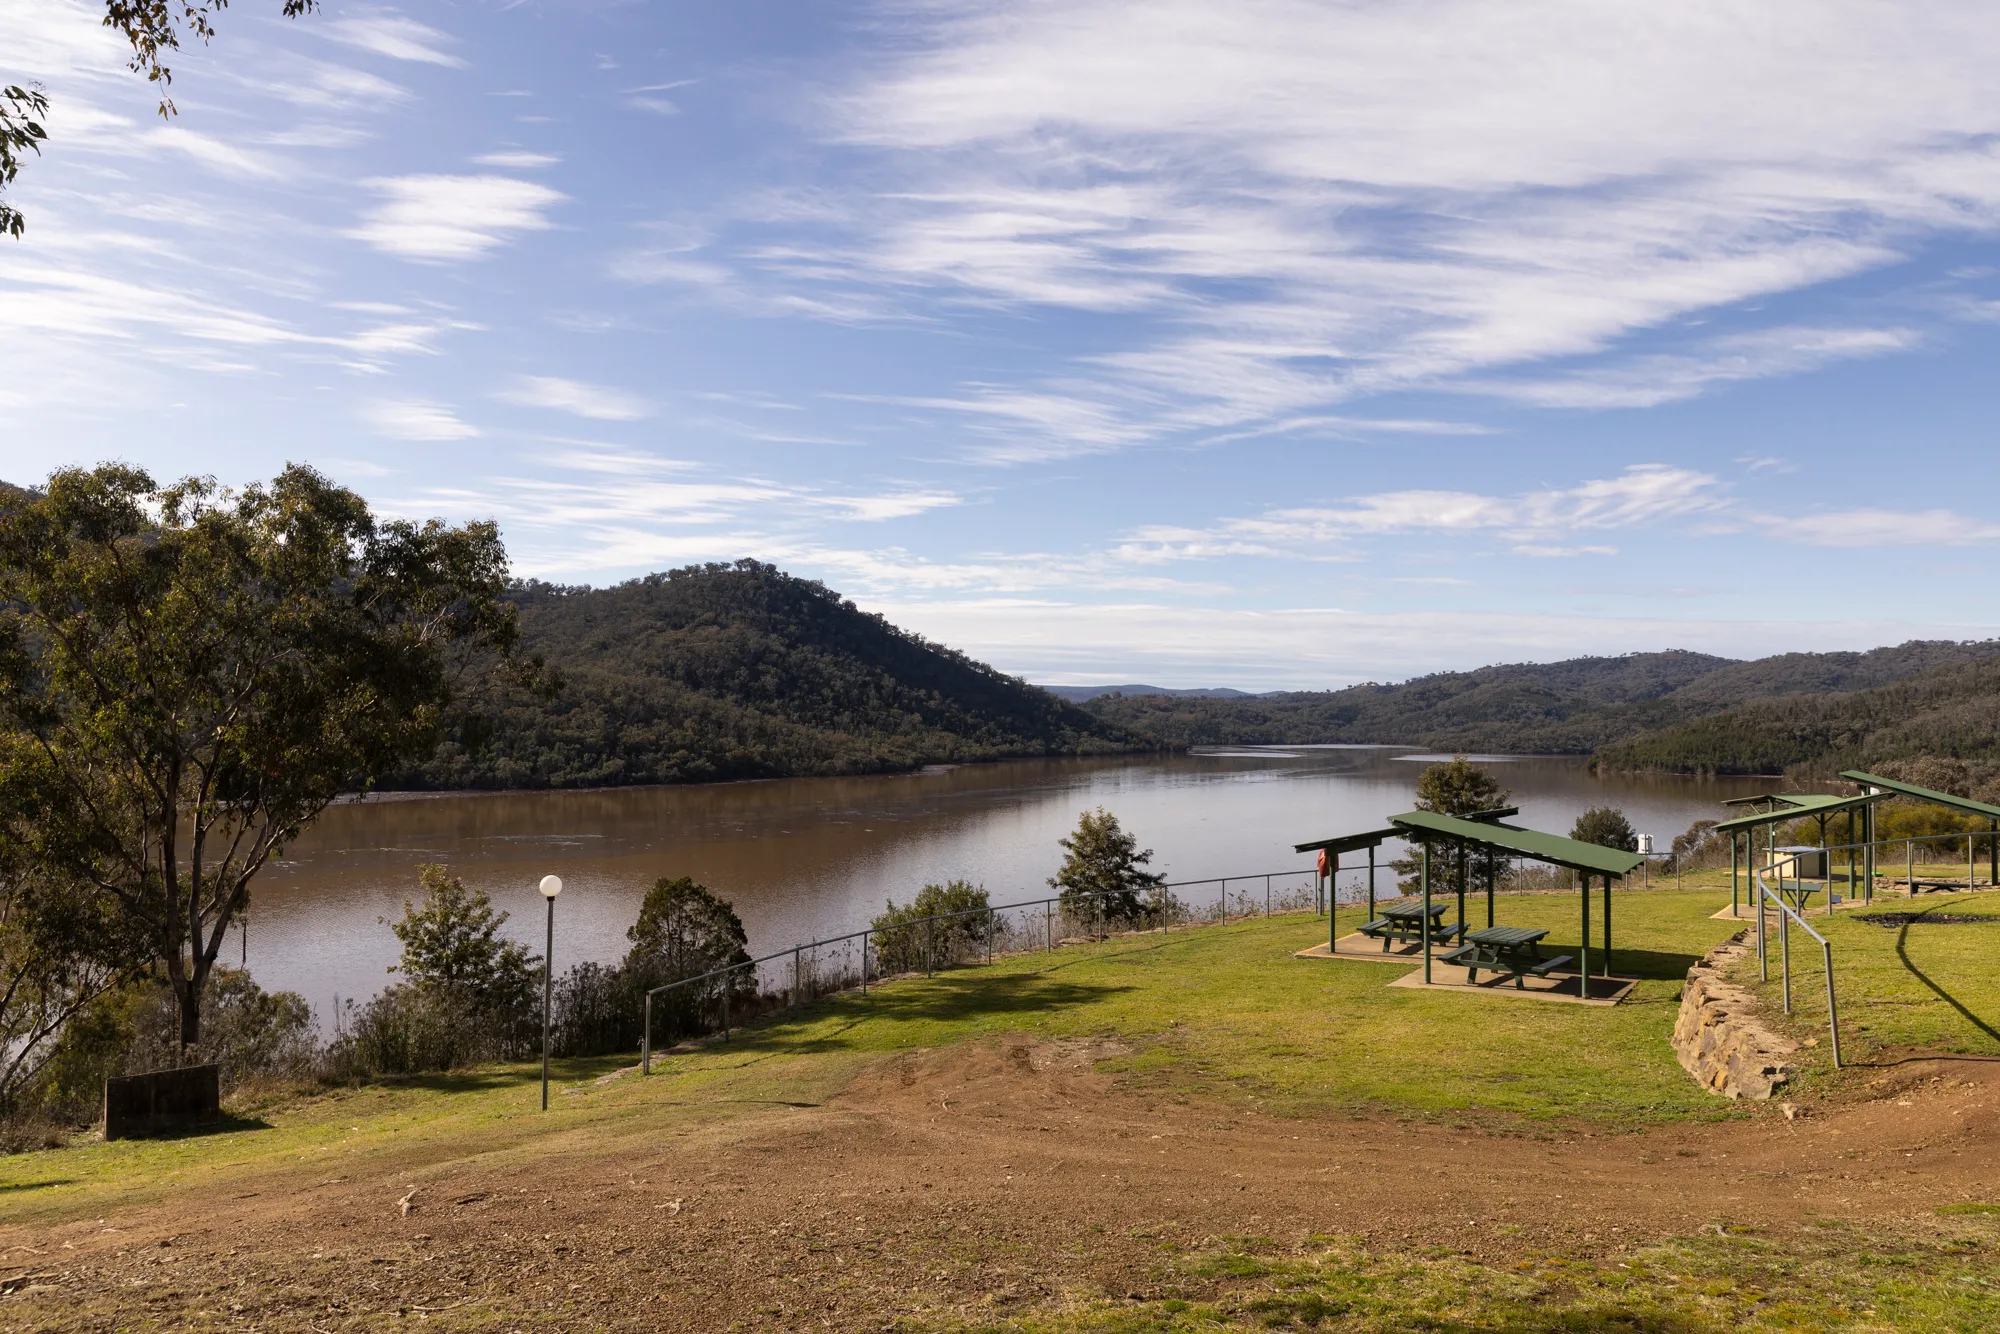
(1509, 950)
(1405, 922)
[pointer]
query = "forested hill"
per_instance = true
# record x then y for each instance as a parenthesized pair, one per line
(1951, 712)
(1579, 706)
(742, 671)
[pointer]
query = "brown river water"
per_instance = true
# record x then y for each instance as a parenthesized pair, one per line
(808, 858)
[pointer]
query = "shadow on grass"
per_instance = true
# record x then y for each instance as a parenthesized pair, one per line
(946, 998)
(226, 1124)
(18, 1186)
(1903, 953)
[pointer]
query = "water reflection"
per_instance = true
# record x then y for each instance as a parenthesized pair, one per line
(813, 857)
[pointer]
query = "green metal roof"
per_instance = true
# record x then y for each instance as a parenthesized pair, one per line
(1922, 793)
(1786, 798)
(1349, 842)
(1803, 803)
(1529, 843)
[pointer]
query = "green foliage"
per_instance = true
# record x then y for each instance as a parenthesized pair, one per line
(20, 132)
(188, 675)
(684, 931)
(1101, 875)
(1571, 708)
(904, 942)
(452, 943)
(1950, 712)
(251, 1033)
(1454, 787)
(741, 671)
(1607, 827)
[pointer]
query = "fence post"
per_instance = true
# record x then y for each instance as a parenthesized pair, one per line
(795, 978)
(646, 1040)
(928, 923)
(989, 935)
(1785, 942)
(1909, 868)
(725, 1007)
(1049, 922)
(864, 963)
(1832, 1011)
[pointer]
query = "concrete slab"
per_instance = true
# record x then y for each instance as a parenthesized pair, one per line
(1358, 948)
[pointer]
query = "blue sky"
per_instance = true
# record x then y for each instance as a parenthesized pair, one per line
(1262, 344)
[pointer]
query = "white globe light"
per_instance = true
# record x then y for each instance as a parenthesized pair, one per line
(551, 886)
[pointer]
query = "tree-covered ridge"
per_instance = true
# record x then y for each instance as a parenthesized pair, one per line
(1950, 712)
(1579, 706)
(742, 671)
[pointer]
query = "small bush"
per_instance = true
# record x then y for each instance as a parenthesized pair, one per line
(905, 941)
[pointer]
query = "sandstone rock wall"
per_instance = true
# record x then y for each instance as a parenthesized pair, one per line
(1720, 1038)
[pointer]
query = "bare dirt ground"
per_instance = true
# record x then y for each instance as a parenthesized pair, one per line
(966, 1183)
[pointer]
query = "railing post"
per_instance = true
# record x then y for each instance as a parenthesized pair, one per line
(1832, 1010)
(725, 1007)
(989, 935)
(1785, 942)
(1909, 868)
(864, 963)
(795, 978)
(1049, 922)
(646, 1040)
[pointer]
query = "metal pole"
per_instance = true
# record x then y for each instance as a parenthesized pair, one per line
(1371, 882)
(1763, 939)
(1910, 867)
(548, 991)
(1425, 873)
(864, 963)
(989, 935)
(1607, 926)
(1732, 875)
(1461, 889)
(1785, 943)
(1832, 1010)
(1049, 922)
(1583, 954)
(1969, 864)
(725, 1007)
(1492, 874)
(1332, 907)
(646, 1040)
(795, 978)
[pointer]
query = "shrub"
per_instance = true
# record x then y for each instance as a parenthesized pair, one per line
(1100, 876)
(1607, 827)
(905, 942)
(685, 931)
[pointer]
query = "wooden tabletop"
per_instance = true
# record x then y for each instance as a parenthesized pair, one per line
(1506, 935)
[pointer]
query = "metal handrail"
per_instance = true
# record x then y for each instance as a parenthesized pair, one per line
(794, 951)
(1785, 954)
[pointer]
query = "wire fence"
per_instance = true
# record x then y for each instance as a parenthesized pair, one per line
(811, 969)
(1860, 866)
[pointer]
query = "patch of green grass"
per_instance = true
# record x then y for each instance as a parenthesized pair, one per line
(1921, 986)
(1222, 1012)
(1908, 1279)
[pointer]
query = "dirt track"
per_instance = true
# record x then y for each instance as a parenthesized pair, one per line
(975, 1180)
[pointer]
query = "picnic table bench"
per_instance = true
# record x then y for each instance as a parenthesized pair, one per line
(1509, 950)
(1405, 922)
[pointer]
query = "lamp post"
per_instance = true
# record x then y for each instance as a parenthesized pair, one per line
(551, 886)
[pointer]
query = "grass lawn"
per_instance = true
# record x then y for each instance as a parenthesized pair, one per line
(1226, 1012)
(1916, 986)
(1942, 1276)
(1216, 1011)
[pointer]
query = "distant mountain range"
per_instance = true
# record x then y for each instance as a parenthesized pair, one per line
(1082, 694)
(1678, 711)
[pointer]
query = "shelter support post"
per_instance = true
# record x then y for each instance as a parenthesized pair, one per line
(1332, 903)
(1371, 882)
(1992, 870)
(1461, 889)
(1607, 926)
(1583, 952)
(1732, 874)
(1424, 872)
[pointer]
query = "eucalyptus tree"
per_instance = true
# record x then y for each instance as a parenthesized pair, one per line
(189, 675)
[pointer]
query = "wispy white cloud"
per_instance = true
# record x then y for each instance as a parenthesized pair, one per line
(1642, 494)
(445, 218)
(517, 161)
(1319, 646)
(594, 401)
(1869, 527)
(1297, 205)
(391, 35)
(415, 419)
